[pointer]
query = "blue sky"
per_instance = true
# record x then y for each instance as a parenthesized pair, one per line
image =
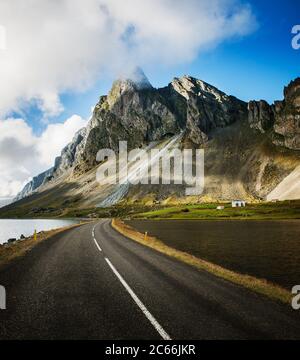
(256, 66)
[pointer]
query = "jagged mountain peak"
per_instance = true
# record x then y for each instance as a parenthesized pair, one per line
(131, 81)
(292, 91)
(187, 85)
(138, 77)
(281, 119)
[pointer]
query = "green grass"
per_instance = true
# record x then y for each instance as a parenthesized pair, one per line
(262, 211)
(57, 212)
(205, 211)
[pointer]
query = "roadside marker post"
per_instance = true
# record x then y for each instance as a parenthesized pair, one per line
(146, 235)
(2, 298)
(35, 235)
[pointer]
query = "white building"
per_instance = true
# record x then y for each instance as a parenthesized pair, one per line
(220, 207)
(238, 203)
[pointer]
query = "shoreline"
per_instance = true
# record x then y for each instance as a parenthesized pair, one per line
(11, 251)
(22, 228)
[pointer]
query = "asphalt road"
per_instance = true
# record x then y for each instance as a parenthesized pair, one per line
(96, 284)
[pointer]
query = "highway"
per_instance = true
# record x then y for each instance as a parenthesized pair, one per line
(90, 282)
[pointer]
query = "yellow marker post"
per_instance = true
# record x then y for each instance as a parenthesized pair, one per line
(35, 235)
(146, 235)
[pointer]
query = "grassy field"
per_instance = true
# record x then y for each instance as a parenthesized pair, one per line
(204, 211)
(20, 212)
(261, 211)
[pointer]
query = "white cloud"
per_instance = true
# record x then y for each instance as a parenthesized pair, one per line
(56, 46)
(22, 154)
(56, 136)
(2, 38)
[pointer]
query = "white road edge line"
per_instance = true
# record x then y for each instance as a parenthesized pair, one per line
(145, 311)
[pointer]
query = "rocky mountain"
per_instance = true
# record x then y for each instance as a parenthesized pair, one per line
(249, 148)
(62, 164)
(34, 184)
(281, 120)
(206, 108)
(141, 114)
(65, 161)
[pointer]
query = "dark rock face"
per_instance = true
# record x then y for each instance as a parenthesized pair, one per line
(287, 123)
(261, 115)
(207, 108)
(282, 118)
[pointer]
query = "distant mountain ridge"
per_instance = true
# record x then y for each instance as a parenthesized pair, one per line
(265, 137)
(34, 184)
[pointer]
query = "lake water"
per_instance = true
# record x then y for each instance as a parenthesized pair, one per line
(265, 249)
(10, 228)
